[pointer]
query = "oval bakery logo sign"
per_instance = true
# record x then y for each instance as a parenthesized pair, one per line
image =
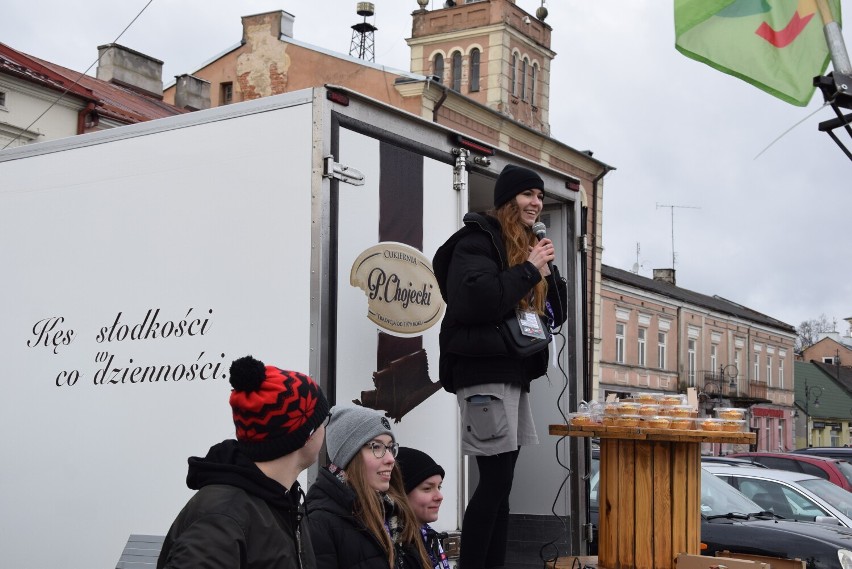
(402, 292)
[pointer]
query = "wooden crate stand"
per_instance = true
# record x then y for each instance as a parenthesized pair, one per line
(649, 492)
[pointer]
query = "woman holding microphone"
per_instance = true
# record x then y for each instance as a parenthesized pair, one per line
(492, 269)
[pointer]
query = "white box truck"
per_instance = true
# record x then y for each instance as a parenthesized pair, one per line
(138, 262)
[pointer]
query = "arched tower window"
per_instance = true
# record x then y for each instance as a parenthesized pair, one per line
(438, 67)
(514, 76)
(457, 71)
(533, 80)
(524, 64)
(474, 69)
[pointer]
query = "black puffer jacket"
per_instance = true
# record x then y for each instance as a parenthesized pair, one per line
(239, 518)
(480, 290)
(340, 540)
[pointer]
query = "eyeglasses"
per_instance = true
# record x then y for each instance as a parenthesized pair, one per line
(379, 449)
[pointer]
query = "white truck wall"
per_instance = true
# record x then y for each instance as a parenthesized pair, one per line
(209, 225)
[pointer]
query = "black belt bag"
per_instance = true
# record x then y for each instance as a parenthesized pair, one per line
(519, 341)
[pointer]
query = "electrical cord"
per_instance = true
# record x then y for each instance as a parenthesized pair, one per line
(550, 561)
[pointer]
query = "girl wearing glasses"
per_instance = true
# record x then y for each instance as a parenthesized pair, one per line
(357, 509)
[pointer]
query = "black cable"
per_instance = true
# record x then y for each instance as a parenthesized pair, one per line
(553, 543)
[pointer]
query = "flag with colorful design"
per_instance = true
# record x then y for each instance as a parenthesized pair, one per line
(776, 45)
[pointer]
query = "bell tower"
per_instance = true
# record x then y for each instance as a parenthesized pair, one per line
(489, 50)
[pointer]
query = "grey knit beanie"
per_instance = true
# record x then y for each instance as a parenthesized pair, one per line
(349, 429)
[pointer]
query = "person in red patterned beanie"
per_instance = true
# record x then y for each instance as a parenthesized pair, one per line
(247, 512)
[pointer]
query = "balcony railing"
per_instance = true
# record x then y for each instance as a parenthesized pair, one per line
(720, 385)
(757, 389)
(717, 385)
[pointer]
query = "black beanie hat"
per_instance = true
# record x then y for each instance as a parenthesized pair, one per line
(415, 467)
(512, 181)
(275, 410)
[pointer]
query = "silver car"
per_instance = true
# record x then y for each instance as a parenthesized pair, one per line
(791, 495)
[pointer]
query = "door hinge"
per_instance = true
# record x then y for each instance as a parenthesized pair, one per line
(345, 174)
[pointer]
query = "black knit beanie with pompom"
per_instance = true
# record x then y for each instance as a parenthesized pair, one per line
(275, 410)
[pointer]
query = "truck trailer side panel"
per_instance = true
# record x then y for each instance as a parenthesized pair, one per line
(139, 262)
(135, 270)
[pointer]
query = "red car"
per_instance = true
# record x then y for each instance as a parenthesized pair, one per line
(832, 469)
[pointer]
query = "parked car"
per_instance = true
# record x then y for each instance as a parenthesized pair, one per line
(729, 461)
(791, 495)
(732, 522)
(834, 470)
(834, 452)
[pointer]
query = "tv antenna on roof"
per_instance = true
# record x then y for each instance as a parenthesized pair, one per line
(672, 208)
(637, 265)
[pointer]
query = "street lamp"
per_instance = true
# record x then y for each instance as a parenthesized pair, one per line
(811, 393)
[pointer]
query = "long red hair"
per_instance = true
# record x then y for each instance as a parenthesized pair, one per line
(518, 238)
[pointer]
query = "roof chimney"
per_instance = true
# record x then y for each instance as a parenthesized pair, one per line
(123, 66)
(192, 93)
(277, 23)
(665, 275)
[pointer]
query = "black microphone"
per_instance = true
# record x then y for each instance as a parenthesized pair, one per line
(540, 231)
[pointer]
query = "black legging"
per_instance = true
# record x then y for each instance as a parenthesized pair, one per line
(486, 519)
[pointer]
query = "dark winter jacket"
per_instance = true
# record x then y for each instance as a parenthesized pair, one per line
(480, 290)
(340, 540)
(239, 518)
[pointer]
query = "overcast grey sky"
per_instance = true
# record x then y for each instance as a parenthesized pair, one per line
(771, 233)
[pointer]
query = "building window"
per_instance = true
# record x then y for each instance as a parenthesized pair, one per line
(756, 367)
(515, 74)
(457, 71)
(830, 360)
(713, 359)
(226, 95)
(661, 350)
(642, 334)
(474, 70)
(768, 371)
(691, 363)
(524, 79)
(2, 99)
(438, 67)
(738, 356)
(619, 343)
(533, 79)
(781, 373)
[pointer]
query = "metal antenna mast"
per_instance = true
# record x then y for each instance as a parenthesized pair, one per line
(363, 44)
(672, 208)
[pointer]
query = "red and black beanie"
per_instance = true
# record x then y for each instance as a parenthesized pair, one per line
(275, 410)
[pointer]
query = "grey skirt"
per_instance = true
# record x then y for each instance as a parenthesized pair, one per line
(496, 418)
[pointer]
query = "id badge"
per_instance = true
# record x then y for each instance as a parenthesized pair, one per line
(530, 324)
